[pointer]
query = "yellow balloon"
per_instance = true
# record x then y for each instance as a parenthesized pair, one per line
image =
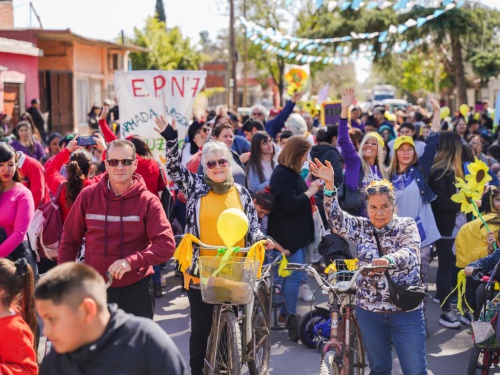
(464, 109)
(232, 226)
(476, 116)
(444, 112)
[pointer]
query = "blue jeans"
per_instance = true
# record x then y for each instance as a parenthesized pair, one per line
(157, 275)
(406, 330)
(290, 285)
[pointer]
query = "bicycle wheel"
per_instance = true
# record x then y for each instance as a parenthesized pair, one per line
(310, 332)
(480, 361)
(223, 352)
(261, 328)
(355, 354)
(328, 364)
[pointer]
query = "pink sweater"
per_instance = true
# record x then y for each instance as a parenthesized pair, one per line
(17, 209)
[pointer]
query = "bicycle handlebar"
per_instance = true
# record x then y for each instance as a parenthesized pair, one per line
(211, 247)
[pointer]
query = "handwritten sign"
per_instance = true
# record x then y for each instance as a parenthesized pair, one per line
(144, 95)
(330, 112)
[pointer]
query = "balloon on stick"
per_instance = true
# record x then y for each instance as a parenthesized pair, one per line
(464, 109)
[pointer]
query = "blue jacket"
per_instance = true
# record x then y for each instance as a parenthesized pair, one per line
(422, 169)
(275, 125)
(487, 263)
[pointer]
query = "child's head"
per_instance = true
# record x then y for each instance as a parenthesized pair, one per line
(491, 200)
(16, 285)
(264, 202)
(70, 299)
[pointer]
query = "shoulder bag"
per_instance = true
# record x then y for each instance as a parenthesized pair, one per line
(406, 298)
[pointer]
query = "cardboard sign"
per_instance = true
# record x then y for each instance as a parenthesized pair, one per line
(146, 94)
(330, 112)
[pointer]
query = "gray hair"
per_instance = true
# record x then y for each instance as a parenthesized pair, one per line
(212, 148)
(296, 124)
(391, 195)
(261, 108)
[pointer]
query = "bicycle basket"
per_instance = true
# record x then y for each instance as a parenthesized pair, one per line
(342, 270)
(233, 283)
(484, 329)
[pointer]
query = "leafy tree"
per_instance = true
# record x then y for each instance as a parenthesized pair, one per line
(160, 11)
(169, 50)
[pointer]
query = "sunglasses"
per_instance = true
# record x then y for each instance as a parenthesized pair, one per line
(384, 189)
(212, 163)
(115, 162)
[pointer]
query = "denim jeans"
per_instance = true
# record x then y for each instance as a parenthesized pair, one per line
(290, 284)
(157, 274)
(406, 330)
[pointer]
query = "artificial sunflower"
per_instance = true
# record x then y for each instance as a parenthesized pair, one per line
(478, 175)
(466, 198)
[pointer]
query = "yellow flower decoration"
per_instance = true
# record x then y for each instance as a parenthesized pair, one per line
(478, 175)
(466, 197)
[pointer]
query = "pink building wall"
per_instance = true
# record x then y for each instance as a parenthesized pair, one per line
(27, 65)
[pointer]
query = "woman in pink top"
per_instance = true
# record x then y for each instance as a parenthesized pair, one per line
(17, 208)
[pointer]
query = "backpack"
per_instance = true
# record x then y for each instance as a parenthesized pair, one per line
(45, 230)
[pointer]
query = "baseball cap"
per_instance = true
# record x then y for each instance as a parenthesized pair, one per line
(401, 140)
(376, 136)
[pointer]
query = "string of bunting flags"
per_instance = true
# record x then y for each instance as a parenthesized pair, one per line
(399, 5)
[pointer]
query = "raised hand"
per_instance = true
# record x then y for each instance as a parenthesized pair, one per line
(297, 96)
(104, 113)
(162, 124)
(434, 102)
(100, 143)
(323, 172)
(72, 145)
(348, 97)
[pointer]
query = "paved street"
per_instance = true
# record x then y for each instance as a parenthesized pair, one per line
(447, 350)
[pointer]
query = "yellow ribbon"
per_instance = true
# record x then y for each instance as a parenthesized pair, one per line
(461, 281)
(257, 252)
(281, 269)
(184, 252)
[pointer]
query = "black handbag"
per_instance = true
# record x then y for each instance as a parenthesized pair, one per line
(406, 298)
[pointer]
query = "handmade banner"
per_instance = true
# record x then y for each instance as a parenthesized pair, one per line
(330, 112)
(145, 94)
(296, 78)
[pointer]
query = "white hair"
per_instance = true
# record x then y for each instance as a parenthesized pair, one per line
(212, 148)
(261, 108)
(296, 124)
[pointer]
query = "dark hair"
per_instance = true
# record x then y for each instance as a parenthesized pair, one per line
(327, 133)
(265, 199)
(141, 147)
(494, 151)
(217, 130)
(91, 112)
(192, 130)
(285, 134)
(211, 115)
(70, 283)
(418, 117)
(78, 170)
(379, 109)
(487, 200)
(467, 153)
(54, 136)
(218, 117)
(254, 162)
(31, 144)
(17, 279)
(7, 152)
(252, 123)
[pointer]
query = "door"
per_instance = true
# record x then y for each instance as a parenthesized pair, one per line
(56, 92)
(12, 100)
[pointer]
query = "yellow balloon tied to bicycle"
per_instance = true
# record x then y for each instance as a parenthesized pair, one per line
(232, 226)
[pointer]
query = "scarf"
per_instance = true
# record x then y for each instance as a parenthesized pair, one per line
(220, 187)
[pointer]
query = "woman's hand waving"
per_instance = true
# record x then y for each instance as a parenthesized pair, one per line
(323, 172)
(162, 125)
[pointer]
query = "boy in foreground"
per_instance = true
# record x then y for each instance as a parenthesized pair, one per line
(90, 337)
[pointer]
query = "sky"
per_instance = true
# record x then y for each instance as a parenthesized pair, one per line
(104, 19)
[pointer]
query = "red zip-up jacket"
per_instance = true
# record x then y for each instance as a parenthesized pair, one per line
(132, 226)
(33, 174)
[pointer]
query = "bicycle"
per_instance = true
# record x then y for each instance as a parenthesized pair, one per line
(229, 345)
(485, 355)
(344, 352)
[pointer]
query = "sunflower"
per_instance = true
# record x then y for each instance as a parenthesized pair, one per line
(466, 198)
(467, 187)
(478, 175)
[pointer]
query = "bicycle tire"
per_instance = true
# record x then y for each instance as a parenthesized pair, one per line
(307, 325)
(355, 354)
(328, 364)
(224, 346)
(480, 361)
(261, 328)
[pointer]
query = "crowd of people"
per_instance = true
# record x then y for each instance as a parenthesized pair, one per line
(373, 175)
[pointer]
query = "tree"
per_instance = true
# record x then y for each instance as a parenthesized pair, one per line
(160, 12)
(169, 50)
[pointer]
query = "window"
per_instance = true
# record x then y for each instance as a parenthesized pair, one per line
(116, 61)
(82, 100)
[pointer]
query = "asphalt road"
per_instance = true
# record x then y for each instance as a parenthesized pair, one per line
(447, 350)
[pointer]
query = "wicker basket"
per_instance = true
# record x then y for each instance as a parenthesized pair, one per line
(231, 284)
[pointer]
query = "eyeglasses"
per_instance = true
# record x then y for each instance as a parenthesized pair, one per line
(115, 162)
(212, 163)
(384, 189)
(257, 114)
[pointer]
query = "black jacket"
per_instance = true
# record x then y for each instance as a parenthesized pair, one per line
(290, 222)
(324, 151)
(130, 345)
(444, 209)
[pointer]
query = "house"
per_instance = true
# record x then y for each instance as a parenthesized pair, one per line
(74, 72)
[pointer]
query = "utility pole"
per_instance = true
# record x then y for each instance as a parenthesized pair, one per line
(233, 104)
(244, 101)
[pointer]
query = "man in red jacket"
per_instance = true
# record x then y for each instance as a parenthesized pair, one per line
(125, 229)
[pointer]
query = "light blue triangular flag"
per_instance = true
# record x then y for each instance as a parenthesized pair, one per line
(402, 29)
(421, 21)
(382, 36)
(438, 12)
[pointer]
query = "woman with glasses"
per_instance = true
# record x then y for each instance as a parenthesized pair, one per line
(382, 323)
(363, 166)
(446, 167)
(260, 165)
(198, 133)
(408, 173)
(207, 197)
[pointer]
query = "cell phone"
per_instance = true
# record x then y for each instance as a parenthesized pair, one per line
(87, 140)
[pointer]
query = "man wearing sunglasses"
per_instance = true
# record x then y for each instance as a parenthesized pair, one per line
(125, 229)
